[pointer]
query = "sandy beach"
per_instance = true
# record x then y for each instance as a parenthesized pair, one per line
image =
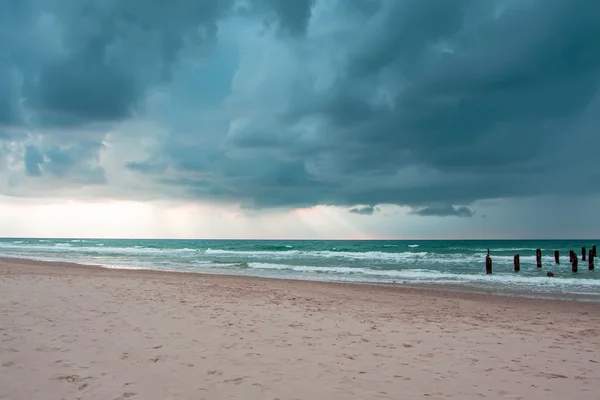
(82, 332)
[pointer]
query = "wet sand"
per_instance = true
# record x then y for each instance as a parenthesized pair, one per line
(80, 332)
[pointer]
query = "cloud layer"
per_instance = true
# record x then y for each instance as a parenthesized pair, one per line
(272, 103)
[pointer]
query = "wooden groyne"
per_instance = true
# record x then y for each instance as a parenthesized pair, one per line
(488, 263)
(588, 255)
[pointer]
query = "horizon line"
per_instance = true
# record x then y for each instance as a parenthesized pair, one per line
(296, 239)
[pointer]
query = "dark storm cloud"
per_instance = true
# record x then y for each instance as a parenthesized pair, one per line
(106, 54)
(84, 89)
(443, 211)
(494, 113)
(83, 62)
(77, 163)
(9, 111)
(293, 15)
(432, 105)
(365, 210)
(483, 97)
(69, 65)
(487, 98)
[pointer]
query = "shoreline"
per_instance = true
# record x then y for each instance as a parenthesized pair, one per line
(434, 290)
(438, 266)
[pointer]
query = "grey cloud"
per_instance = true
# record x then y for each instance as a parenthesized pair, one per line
(33, 159)
(446, 88)
(75, 163)
(373, 102)
(406, 30)
(293, 15)
(94, 61)
(9, 114)
(364, 210)
(291, 18)
(62, 159)
(82, 88)
(365, 7)
(83, 67)
(444, 211)
(146, 167)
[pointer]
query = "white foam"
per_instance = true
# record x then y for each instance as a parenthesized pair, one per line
(254, 254)
(368, 255)
(424, 275)
(307, 268)
(184, 250)
(125, 267)
(99, 247)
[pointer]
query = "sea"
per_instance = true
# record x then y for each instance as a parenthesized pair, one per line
(432, 263)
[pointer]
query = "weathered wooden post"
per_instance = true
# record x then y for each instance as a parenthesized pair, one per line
(556, 257)
(517, 263)
(591, 260)
(583, 254)
(594, 250)
(574, 261)
(488, 264)
(571, 256)
(538, 257)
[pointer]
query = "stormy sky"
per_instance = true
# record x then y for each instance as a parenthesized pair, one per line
(304, 118)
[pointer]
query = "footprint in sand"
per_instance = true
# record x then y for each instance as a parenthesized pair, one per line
(70, 378)
(126, 395)
(214, 372)
(236, 381)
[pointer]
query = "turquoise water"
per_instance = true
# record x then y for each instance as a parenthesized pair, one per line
(413, 262)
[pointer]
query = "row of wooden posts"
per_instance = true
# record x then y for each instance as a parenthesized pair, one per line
(591, 255)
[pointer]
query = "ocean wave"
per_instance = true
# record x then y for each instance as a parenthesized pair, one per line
(366, 255)
(424, 275)
(95, 248)
(401, 259)
(413, 245)
(461, 268)
(276, 247)
(185, 250)
(504, 249)
(127, 267)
